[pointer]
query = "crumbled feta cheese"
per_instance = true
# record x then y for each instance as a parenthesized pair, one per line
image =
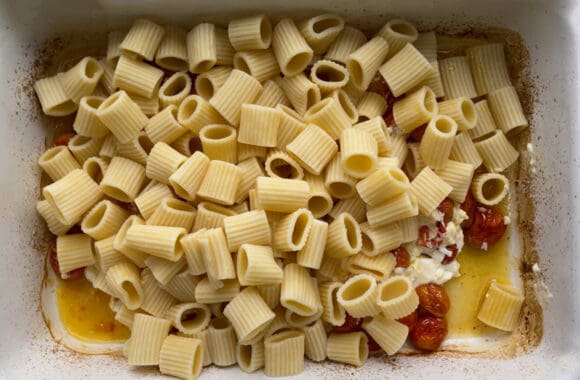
(506, 220)
(427, 270)
(536, 268)
(484, 246)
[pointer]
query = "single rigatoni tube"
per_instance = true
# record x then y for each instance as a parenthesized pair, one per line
(239, 88)
(387, 162)
(315, 341)
(109, 147)
(506, 108)
(189, 318)
(211, 215)
(201, 47)
(147, 336)
(329, 75)
(291, 232)
(319, 31)
(329, 116)
(379, 240)
(354, 206)
(415, 109)
(456, 77)
(290, 48)
(159, 241)
(333, 312)
(72, 196)
(163, 127)
(485, 121)
(349, 348)
(249, 315)
(344, 237)
(125, 316)
(83, 148)
(57, 162)
(490, 189)
(358, 296)
(207, 294)
(172, 212)
(123, 179)
(107, 255)
(310, 256)
(248, 228)
(218, 142)
(195, 113)
(458, 175)
(370, 106)
(489, 67)
(349, 40)
(346, 104)
(250, 357)
(224, 50)
(272, 95)
(397, 297)
(397, 208)
(437, 141)
(86, 121)
(193, 252)
(209, 82)
(426, 43)
(181, 357)
(124, 280)
(464, 150)
(388, 333)
(156, 301)
(405, 70)
(250, 33)
(162, 162)
(433, 80)
(53, 99)
(382, 185)
(122, 116)
(186, 180)
(143, 39)
(429, 190)
(104, 220)
(319, 200)
(220, 183)
(280, 164)
(259, 125)
(301, 92)
(256, 266)
(148, 200)
(284, 353)
(359, 152)
(82, 79)
(251, 169)
(409, 229)
(175, 88)
(398, 33)
(379, 267)
(172, 51)
(313, 149)
(500, 307)
(187, 144)
(49, 214)
(261, 64)
(137, 149)
(338, 183)
(182, 286)
(217, 258)
(462, 110)
(120, 243)
(74, 252)
(221, 339)
(114, 40)
(364, 62)
(299, 293)
(282, 195)
(163, 270)
(497, 152)
(291, 125)
(137, 77)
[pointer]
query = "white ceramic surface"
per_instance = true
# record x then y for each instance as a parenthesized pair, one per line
(551, 30)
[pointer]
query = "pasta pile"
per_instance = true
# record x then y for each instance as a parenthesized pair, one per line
(238, 217)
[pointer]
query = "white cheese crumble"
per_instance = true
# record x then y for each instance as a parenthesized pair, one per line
(530, 149)
(536, 268)
(506, 220)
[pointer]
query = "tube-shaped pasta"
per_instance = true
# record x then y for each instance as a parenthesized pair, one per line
(221, 339)
(163, 127)
(429, 190)
(137, 77)
(187, 179)
(458, 175)
(290, 48)
(370, 106)
(485, 122)
(358, 296)
(319, 201)
(379, 240)
(380, 266)
(259, 125)
(415, 109)
(462, 110)
(143, 39)
(251, 169)
(193, 252)
(217, 258)
(187, 144)
(81, 79)
(489, 67)
(409, 229)
(147, 336)
(500, 307)
(382, 185)
(415, 162)
(321, 30)
(210, 215)
(284, 353)
(74, 252)
(195, 113)
(148, 200)
(57, 162)
(497, 152)
(248, 228)
(224, 50)
(109, 147)
(291, 125)
(106, 81)
(490, 189)
(104, 220)
(162, 162)
(354, 206)
(120, 243)
(49, 214)
(123, 179)
(333, 312)
(172, 51)
(250, 357)
(176, 88)
(220, 183)
(329, 116)
(405, 70)
(299, 293)
(72, 196)
(83, 148)
(173, 213)
(301, 92)
(282, 195)
(205, 293)
(329, 75)
(159, 241)
(464, 150)
(209, 82)
(182, 286)
(256, 266)
(124, 280)
(398, 33)
(313, 149)
(280, 164)
(344, 237)
(359, 152)
(400, 207)
(250, 33)
(388, 333)
(249, 315)
(339, 184)
(456, 78)
(433, 80)
(346, 104)
(239, 88)
(507, 110)
(219, 142)
(156, 301)
(364, 62)
(114, 40)
(107, 255)
(426, 43)
(201, 47)
(122, 116)
(86, 122)
(271, 294)
(437, 141)
(181, 357)
(310, 256)
(53, 98)
(387, 162)
(189, 318)
(261, 64)
(291, 232)
(137, 149)
(349, 40)
(272, 95)
(397, 297)
(349, 348)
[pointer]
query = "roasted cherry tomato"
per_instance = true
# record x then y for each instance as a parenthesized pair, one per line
(402, 256)
(63, 139)
(52, 258)
(350, 324)
(428, 333)
(410, 320)
(372, 344)
(434, 242)
(417, 134)
(379, 86)
(446, 208)
(469, 205)
(487, 229)
(434, 299)
(76, 229)
(454, 252)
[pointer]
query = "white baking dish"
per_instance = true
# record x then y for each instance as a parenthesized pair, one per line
(551, 30)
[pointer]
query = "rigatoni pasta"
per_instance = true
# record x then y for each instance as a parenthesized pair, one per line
(172, 51)
(250, 33)
(290, 48)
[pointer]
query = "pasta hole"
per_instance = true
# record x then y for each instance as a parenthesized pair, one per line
(204, 66)
(300, 306)
(359, 163)
(279, 337)
(283, 169)
(51, 153)
(193, 318)
(356, 289)
(311, 98)
(241, 64)
(445, 125)
(398, 175)
(217, 132)
(325, 24)
(130, 291)
(176, 86)
(319, 205)
(356, 72)
(429, 101)
(265, 31)
(216, 209)
(328, 73)
(351, 232)
(178, 205)
(346, 105)
(468, 111)
(197, 361)
(363, 348)
(220, 323)
(298, 62)
(362, 118)
(316, 108)
(245, 355)
(204, 87)
(403, 28)
(299, 230)
(145, 143)
(367, 243)
(172, 63)
(108, 103)
(187, 108)
(336, 307)
(78, 141)
(242, 265)
(116, 193)
(95, 216)
(94, 170)
(493, 188)
(93, 102)
(393, 290)
(340, 189)
(92, 68)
